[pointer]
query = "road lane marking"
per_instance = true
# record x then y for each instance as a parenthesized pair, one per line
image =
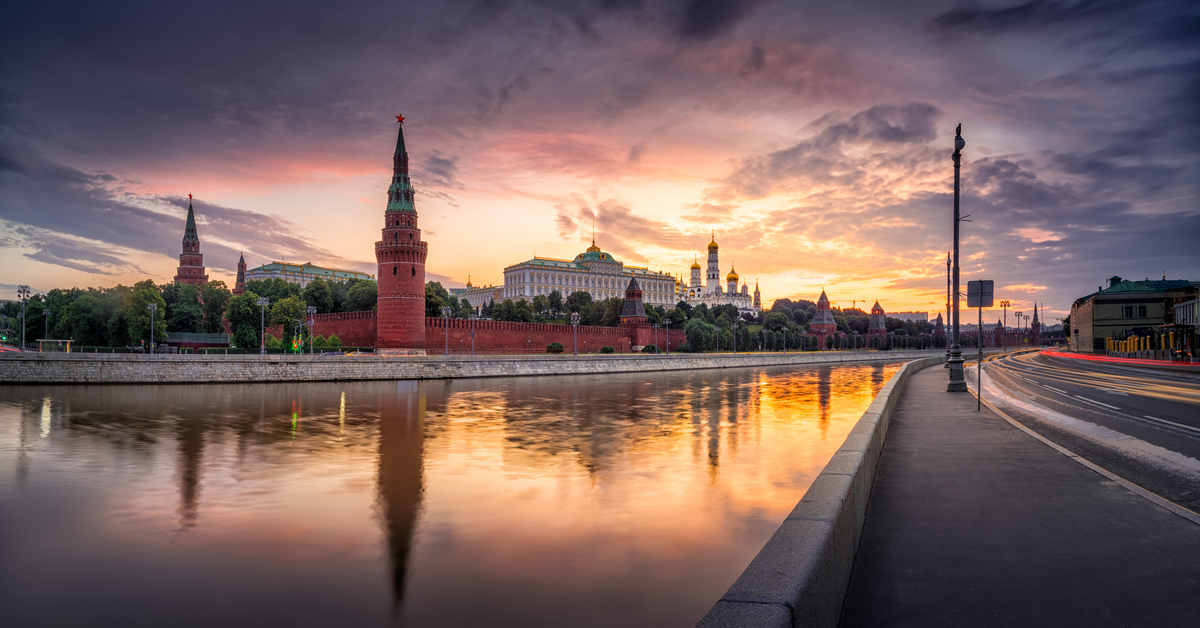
(1115, 392)
(1093, 401)
(1186, 427)
(1054, 389)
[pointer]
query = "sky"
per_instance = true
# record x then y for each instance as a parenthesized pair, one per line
(813, 138)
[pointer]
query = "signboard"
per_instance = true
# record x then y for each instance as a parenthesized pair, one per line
(980, 293)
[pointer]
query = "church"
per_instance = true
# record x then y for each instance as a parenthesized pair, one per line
(710, 293)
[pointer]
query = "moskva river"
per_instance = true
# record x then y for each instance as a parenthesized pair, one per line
(623, 500)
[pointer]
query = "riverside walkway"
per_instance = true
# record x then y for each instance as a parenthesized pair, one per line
(973, 522)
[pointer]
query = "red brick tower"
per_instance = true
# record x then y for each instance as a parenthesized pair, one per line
(191, 262)
(877, 325)
(822, 323)
(239, 286)
(400, 319)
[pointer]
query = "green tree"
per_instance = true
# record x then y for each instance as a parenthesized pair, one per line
(541, 304)
(245, 320)
(701, 336)
(362, 297)
(273, 289)
(216, 300)
(286, 313)
(775, 321)
(183, 310)
(318, 294)
(137, 314)
(576, 300)
(436, 298)
(334, 341)
(556, 301)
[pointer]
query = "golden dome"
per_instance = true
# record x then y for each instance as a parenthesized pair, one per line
(696, 264)
(713, 245)
(593, 248)
(732, 276)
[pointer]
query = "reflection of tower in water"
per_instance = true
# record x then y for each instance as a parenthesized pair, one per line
(401, 448)
(823, 393)
(189, 434)
(876, 378)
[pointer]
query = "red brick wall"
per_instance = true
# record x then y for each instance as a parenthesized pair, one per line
(503, 337)
(354, 329)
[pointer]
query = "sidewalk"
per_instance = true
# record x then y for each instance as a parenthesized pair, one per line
(972, 522)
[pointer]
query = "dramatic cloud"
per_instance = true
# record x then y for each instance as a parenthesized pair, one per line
(814, 138)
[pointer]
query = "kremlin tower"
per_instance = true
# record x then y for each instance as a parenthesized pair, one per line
(239, 286)
(713, 278)
(401, 256)
(878, 322)
(822, 323)
(191, 262)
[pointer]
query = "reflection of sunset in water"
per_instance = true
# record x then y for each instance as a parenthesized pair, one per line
(612, 500)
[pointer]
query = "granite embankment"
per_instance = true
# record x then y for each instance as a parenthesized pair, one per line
(83, 368)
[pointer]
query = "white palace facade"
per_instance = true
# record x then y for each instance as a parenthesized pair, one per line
(594, 271)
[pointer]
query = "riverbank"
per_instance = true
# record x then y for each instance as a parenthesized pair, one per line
(84, 368)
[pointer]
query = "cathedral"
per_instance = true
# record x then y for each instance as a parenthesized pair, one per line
(710, 293)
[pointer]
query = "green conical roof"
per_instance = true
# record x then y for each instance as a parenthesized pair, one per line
(189, 232)
(400, 150)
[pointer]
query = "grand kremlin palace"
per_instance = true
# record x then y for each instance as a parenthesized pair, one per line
(594, 271)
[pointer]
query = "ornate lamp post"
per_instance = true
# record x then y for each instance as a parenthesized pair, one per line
(446, 316)
(23, 295)
(575, 330)
(473, 317)
(263, 302)
(153, 307)
(312, 319)
(735, 328)
(1004, 326)
(855, 334)
(668, 323)
(1019, 331)
(958, 381)
(46, 315)
(655, 328)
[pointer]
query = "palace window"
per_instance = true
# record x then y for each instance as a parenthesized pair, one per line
(1133, 311)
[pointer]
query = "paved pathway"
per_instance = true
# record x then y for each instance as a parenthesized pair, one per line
(972, 522)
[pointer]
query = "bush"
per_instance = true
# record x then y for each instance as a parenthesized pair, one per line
(554, 347)
(607, 350)
(649, 349)
(334, 342)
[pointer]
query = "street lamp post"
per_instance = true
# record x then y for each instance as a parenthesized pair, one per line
(575, 330)
(299, 334)
(473, 317)
(262, 303)
(958, 381)
(153, 307)
(1004, 326)
(668, 323)
(23, 295)
(735, 327)
(312, 319)
(446, 315)
(655, 328)
(46, 315)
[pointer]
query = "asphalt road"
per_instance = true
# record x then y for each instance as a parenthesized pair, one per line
(1156, 407)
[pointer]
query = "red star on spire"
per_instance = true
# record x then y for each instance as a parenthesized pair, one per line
(189, 197)
(400, 119)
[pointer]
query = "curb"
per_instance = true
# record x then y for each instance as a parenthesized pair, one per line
(800, 576)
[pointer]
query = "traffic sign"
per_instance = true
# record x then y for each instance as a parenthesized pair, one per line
(980, 293)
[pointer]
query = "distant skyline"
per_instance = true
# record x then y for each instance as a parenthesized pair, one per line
(814, 138)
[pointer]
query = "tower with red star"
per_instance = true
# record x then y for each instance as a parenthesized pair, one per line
(400, 316)
(191, 261)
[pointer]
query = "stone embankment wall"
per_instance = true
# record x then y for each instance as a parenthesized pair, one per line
(84, 368)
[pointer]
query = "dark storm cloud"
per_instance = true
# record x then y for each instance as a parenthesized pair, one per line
(822, 158)
(705, 19)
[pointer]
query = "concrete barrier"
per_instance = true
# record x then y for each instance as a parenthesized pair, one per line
(102, 368)
(800, 576)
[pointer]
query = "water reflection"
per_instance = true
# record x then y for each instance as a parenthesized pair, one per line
(627, 500)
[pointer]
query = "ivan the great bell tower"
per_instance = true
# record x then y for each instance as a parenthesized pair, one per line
(400, 319)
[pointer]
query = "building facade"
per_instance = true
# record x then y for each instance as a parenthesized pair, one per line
(1123, 307)
(191, 261)
(301, 274)
(594, 271)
